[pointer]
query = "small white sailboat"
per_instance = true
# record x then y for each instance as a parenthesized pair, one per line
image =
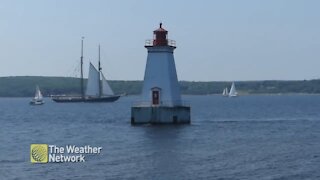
(233, 92)
(225, 92)
(38, 98)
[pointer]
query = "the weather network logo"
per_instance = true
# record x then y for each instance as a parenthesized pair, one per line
(39, 153)
(46, 153)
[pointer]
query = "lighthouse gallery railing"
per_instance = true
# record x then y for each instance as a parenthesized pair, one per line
(149, 42)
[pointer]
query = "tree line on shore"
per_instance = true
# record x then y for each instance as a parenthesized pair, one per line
(24, 86)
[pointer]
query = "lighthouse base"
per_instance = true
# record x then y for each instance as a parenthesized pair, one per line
(160, 115)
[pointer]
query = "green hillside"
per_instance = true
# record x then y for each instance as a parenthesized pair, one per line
(22, 86)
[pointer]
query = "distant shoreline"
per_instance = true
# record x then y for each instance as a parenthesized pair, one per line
(24, 86)
(136, 95)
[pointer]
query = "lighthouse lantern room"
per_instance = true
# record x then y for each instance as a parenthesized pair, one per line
(160, 99)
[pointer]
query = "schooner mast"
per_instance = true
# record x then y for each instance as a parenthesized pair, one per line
(81, 67)
(100, 68)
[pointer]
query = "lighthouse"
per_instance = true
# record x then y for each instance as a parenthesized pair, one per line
(160, 101)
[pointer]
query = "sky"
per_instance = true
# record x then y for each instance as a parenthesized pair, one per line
(217, 40)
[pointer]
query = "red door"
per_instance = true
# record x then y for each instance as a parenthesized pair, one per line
(155, 97)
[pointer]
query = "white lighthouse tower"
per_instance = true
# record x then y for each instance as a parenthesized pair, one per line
(160, 99)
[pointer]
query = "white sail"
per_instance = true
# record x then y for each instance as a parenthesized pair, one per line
(38, 95)
(106, 89)
(225, 92)
(233, 91)
(93, 82)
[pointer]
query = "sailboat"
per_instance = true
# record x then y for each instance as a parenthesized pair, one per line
(225, 92)
(98, 90)
(233, 92)
(38, 98)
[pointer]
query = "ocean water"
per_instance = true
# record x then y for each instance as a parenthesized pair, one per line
(248, 137)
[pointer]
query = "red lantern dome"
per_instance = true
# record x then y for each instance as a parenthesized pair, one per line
(160, 37)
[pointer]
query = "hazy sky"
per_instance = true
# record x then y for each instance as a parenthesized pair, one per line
(216, 40)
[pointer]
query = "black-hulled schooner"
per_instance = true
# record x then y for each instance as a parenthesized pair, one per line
(97, 90)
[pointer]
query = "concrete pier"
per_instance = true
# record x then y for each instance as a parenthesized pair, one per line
(160, 115)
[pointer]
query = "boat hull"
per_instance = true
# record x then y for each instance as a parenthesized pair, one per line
(36, 102)
(66, 99)
(233, 95)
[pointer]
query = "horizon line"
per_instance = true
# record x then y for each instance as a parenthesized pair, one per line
(178, 80)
